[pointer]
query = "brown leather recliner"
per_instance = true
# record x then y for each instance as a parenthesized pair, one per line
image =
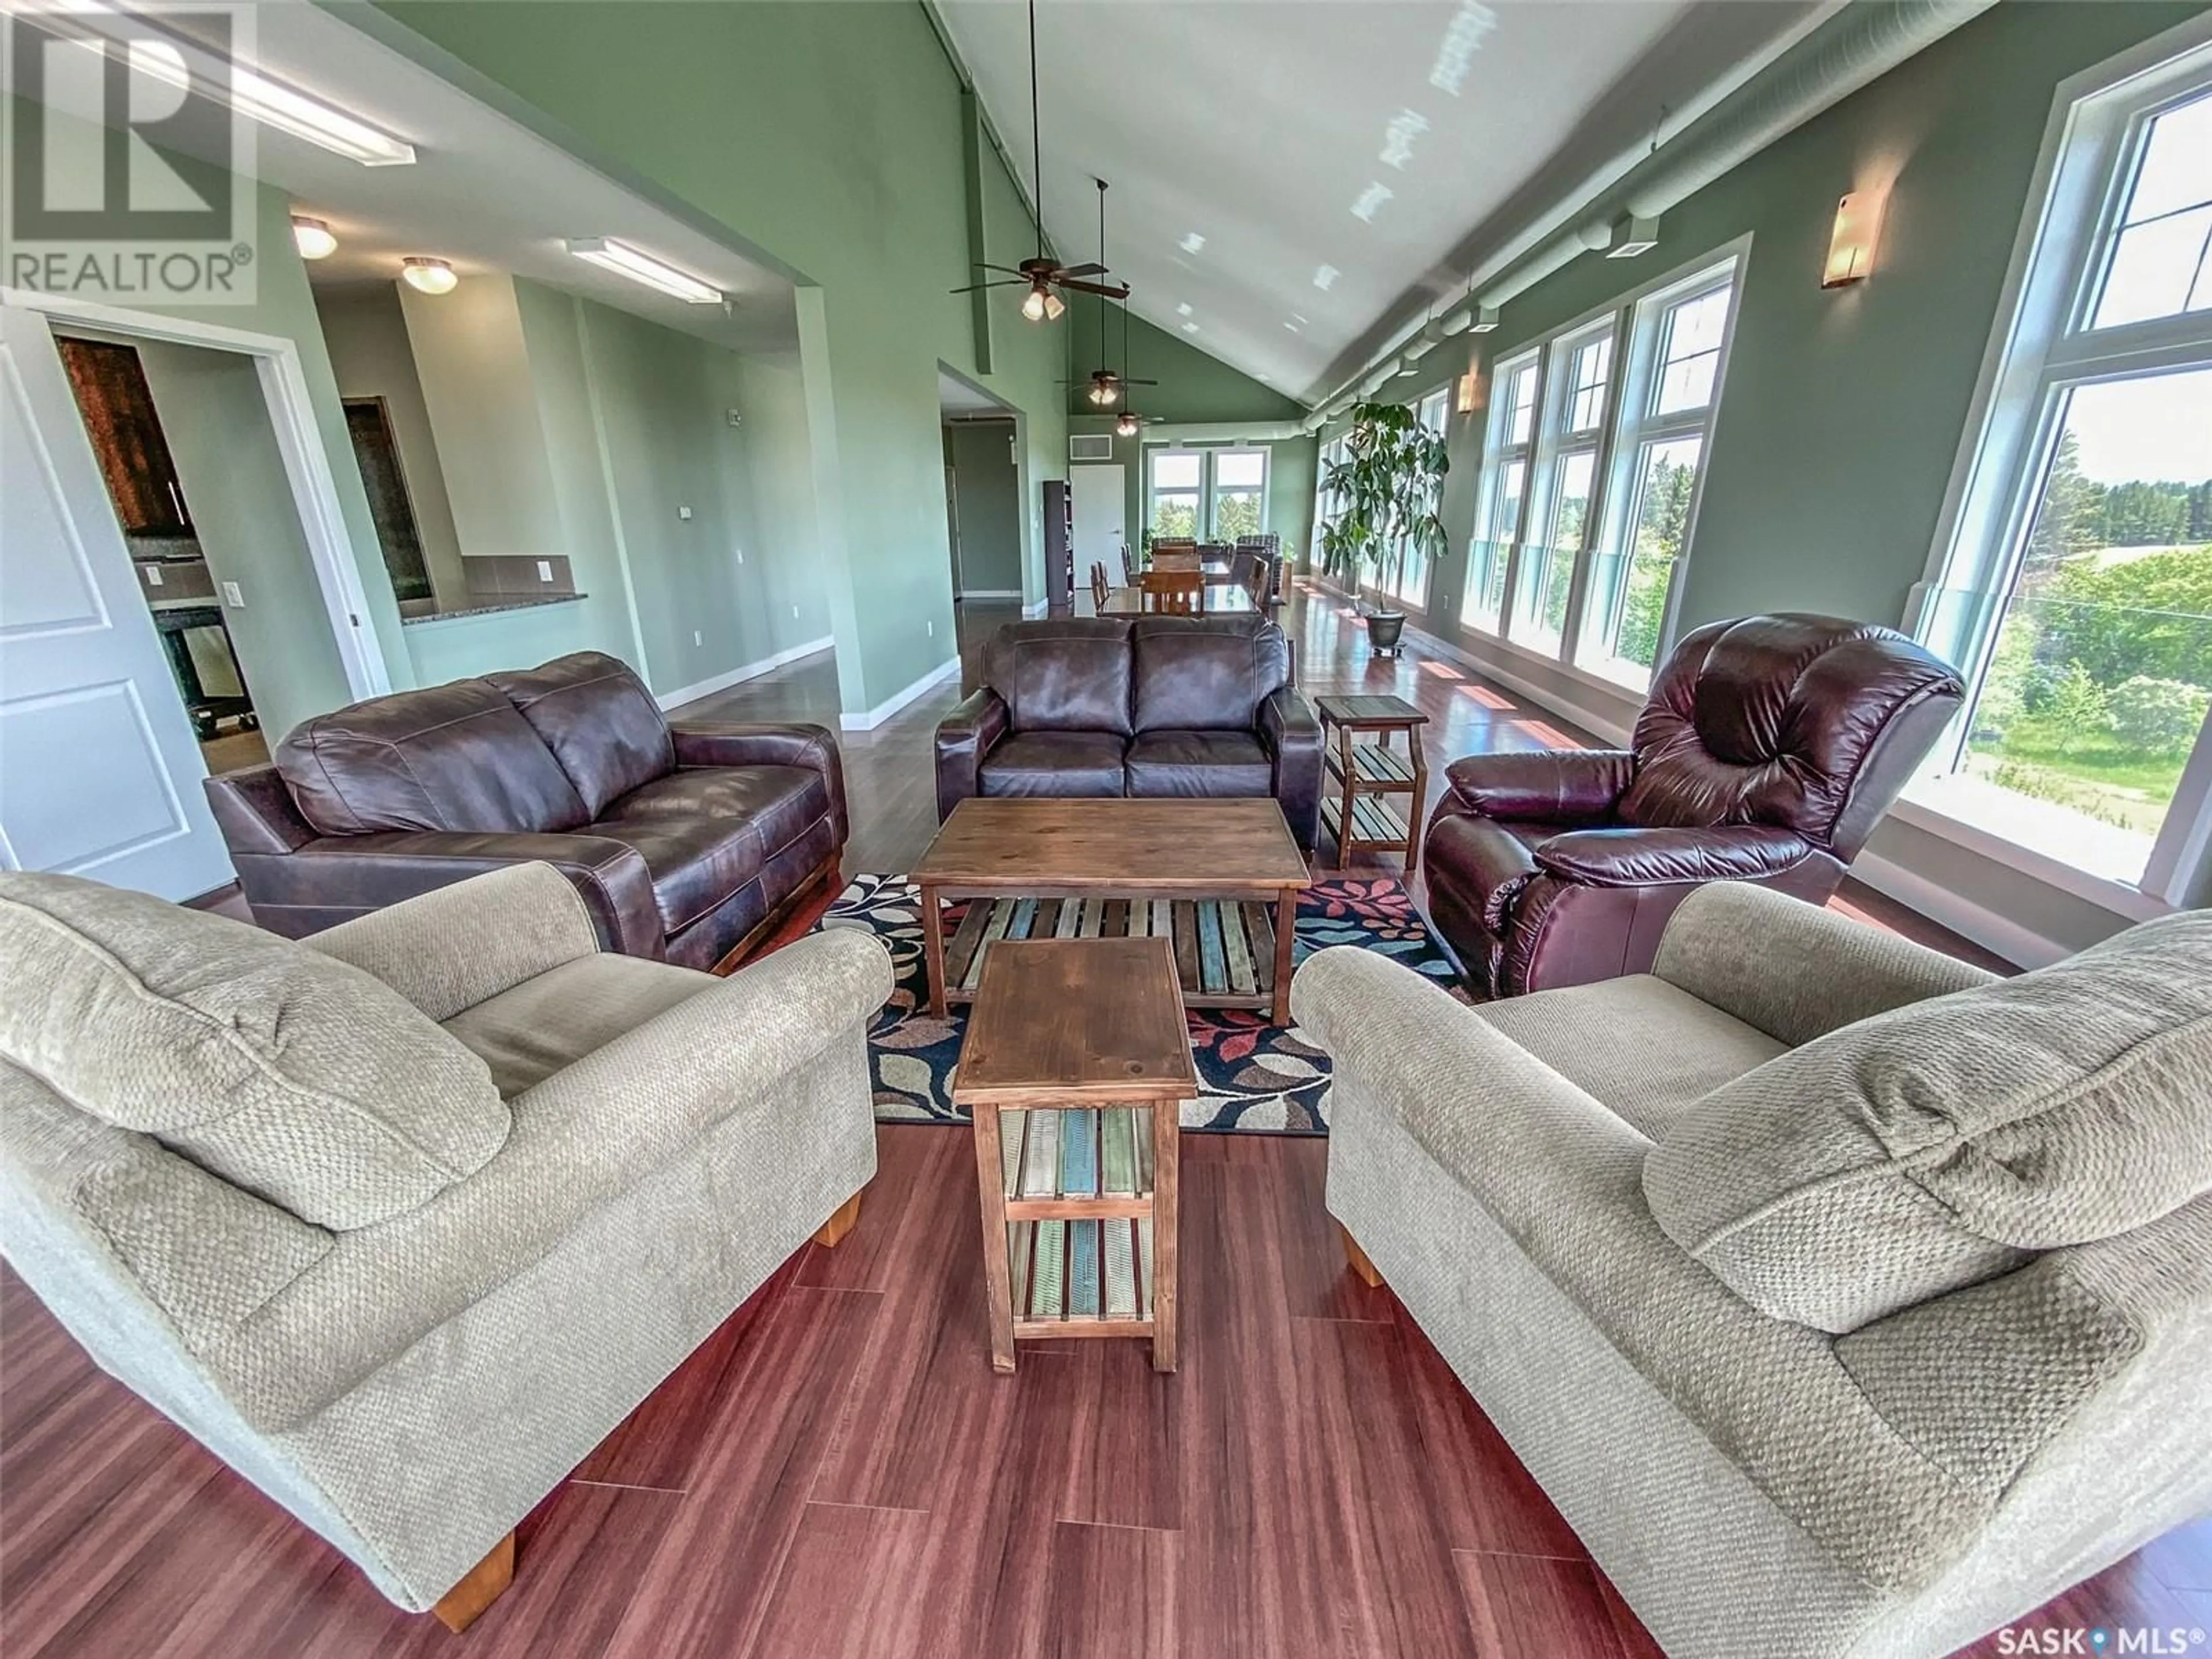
(1151, 706)
(685, 840)
(1769, 749)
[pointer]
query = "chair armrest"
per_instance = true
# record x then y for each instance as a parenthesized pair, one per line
(965, 737)
(450, 949)
(1547, 786)
(1645, 857)
(1524, 1141)
(383, 869)
(1795, 971)
(1292, 737)
(734, 743)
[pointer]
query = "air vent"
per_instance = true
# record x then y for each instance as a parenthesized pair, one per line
(1090, 447)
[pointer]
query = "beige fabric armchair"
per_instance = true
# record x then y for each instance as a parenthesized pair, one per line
(1845, 1300)
(402, 1221)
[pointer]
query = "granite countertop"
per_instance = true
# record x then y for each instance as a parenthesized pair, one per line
(491, 606)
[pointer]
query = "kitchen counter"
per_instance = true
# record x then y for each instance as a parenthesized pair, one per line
(492, 606)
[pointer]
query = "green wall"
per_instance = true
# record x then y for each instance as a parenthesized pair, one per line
(1193, 386)
(987, 485)
(829, 137)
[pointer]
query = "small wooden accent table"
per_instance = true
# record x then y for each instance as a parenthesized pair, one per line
(1221, 879)
(1367, 773)
(1076, 1058)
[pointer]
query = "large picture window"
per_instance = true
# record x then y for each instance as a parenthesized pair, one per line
(1591, 465)
(1408, 579)
(1205, 494)
(2074, 585)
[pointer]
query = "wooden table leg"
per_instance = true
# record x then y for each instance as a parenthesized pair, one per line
(1167, 1181)
(1287, 930)
(1344, 830)
(998, 1282)
(1420, 795)
(932, 945)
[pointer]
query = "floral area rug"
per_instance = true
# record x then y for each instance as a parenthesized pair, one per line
(1253, 1075)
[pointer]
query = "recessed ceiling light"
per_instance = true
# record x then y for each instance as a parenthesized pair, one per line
(428, 275)
(254, 95)
(313, 237)
(1183, 310)
(1193, 242)
(1325, 277)
(626, 261)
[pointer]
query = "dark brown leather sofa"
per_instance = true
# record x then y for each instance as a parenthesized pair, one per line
(685, 840)
(1769, 749)
(1149, 706)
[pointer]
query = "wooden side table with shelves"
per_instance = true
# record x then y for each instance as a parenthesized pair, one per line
(1076, 1061)
(1366, 775)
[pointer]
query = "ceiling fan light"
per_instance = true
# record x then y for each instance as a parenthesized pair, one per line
(313, 237)
(1033, 304)
(427, 276)
(1125, 424)
(1054, 307)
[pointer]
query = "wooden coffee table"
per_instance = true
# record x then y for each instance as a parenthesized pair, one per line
(1220, 879)
(1076, 1058)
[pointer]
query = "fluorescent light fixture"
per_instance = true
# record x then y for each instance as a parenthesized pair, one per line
(626, 261)
(1631, 236)
(428, 275)
(253, 95)
(1850, 244)
(313, 237)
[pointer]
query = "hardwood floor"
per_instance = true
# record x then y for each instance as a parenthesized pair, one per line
(837, 1471)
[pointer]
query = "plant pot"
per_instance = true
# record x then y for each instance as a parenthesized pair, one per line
(1386, 631)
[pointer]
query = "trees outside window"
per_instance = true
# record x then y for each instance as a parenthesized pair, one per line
(1207, 494)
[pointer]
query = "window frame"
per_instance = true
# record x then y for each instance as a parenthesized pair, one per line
(1405, 558)
(1500, 450)
(2043, 345)
(1209, 487)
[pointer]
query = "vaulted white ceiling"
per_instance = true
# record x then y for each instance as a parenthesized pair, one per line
(1290, 176)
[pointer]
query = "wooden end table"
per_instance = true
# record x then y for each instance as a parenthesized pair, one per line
(1076, 1060)
(1367, 774)
(1220, 878)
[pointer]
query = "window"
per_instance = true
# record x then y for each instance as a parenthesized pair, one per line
(1410, 580)
(1207, 495)
(1675, 341)
(1505, 482)
(1590, 469)
(2074, 583)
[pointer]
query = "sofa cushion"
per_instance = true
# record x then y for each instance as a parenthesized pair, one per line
(531, 1030)
(1934, 1145)
(285, 1071)
(1067, 674)
(696, 861)
(1204, 764)
(598, 719)
(780, 802)
(457, 756)
(1082, 763)
(1205, 673)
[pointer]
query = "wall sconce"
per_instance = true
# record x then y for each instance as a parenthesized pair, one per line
(1851, 244)
(1470, 390)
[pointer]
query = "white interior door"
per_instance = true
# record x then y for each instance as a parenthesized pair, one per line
(100, 775)
(1095, 498)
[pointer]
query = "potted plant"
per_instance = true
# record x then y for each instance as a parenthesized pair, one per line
(1387, 490)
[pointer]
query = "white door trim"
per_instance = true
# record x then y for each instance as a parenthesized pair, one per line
(307, 462)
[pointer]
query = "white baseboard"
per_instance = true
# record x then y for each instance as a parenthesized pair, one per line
(751, 671)
(988, 593)
(1606, 727)
(1035, 609)
(949, 668)
(1992, 932)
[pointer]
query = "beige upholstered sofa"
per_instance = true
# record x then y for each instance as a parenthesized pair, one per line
(402, 1221)
(1845, 1301)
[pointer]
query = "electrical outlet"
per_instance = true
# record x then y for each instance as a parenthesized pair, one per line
(697, 638)
(545, 570)
(153, 575)
(683, 512)
(233, 596)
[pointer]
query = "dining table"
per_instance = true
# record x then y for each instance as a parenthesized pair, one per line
(1225, 599)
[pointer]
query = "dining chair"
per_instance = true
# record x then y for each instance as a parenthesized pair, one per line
(1174, 592)
(1099, 586)
(1175, 557)
(1128, 565)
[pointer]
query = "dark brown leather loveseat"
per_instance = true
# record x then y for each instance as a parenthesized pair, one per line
(1767, 753)
(1149, 706)
(685, 840)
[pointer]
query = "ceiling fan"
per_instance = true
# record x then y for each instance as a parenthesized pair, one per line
(1128, 423)
(1043, 274)
(1105, 386)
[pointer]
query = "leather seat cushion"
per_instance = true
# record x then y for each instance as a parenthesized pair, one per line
(1484, 863)
(1204, 764)
(1074, 763)
(780, 802)
(1205, 673)
(696, 861)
